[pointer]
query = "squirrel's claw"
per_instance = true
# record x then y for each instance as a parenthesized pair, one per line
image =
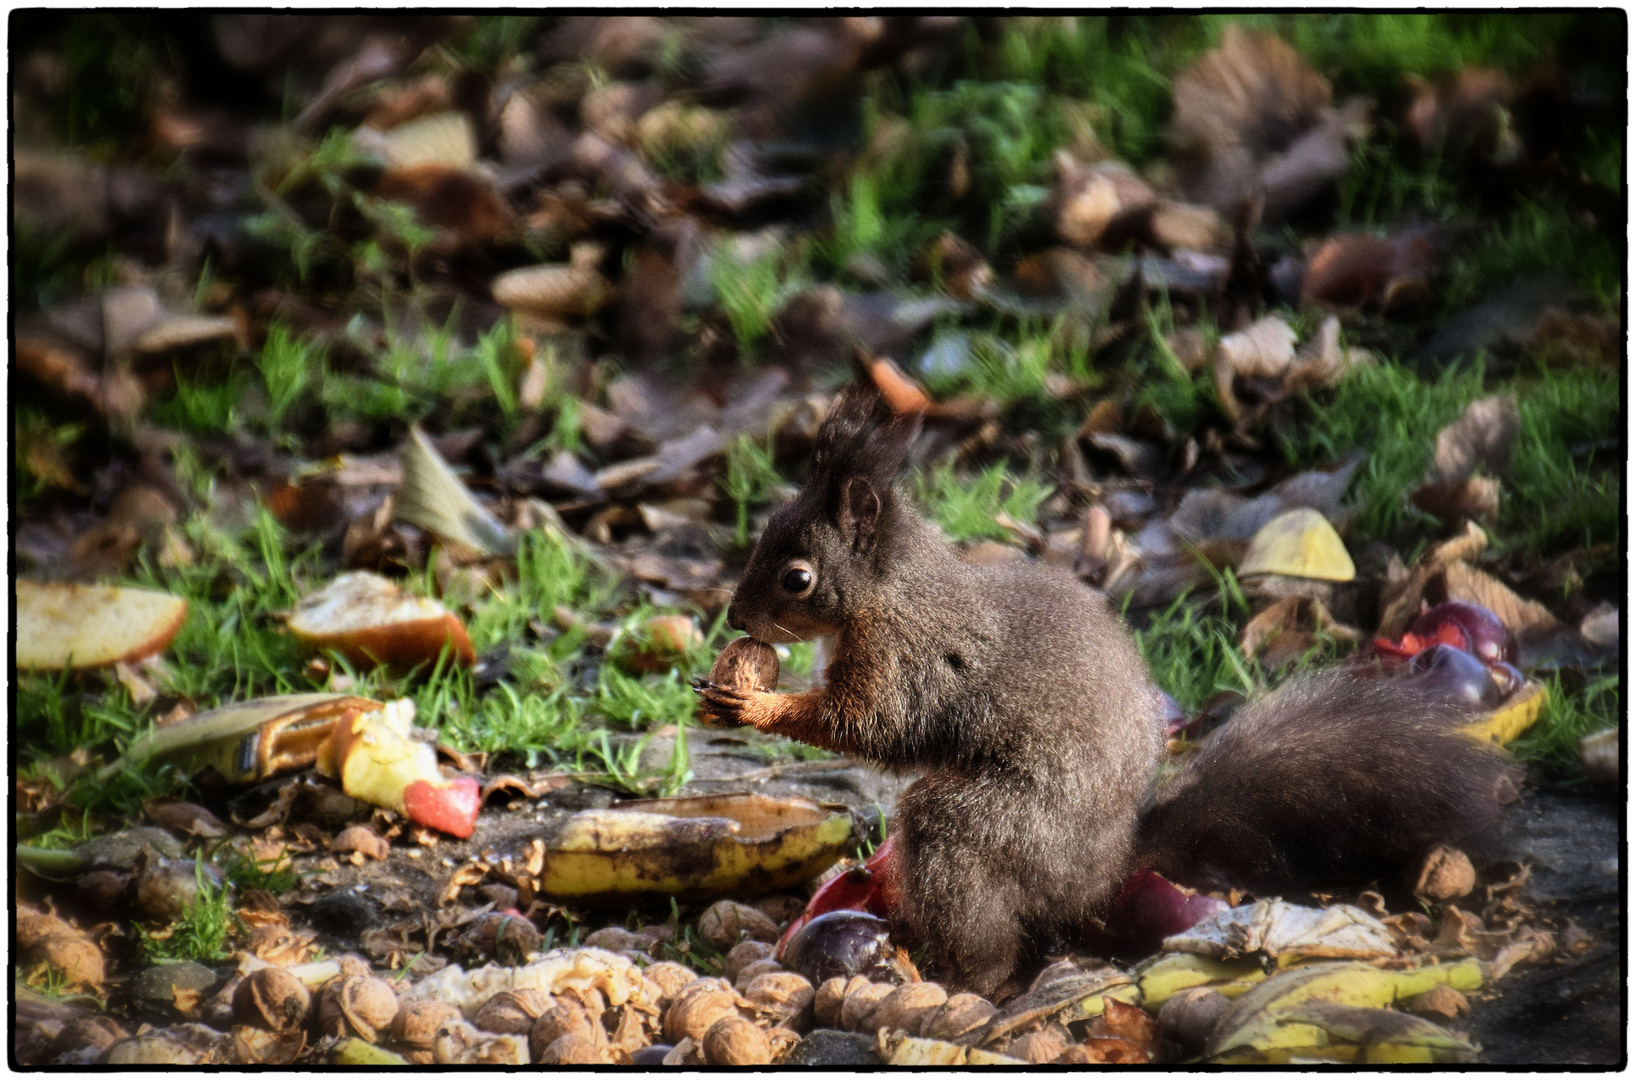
(720, 705)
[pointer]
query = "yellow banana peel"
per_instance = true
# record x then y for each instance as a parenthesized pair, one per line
(1510, 720)
(914, 1051)
(709, 846)
(1170, 973)
(360, 1053)
(1276, 1012)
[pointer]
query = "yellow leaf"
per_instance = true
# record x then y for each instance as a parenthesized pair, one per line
(1298, 543)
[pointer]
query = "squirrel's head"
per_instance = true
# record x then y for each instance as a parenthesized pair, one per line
(821, 554)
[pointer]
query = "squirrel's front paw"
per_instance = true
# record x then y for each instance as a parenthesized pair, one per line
(721, 706)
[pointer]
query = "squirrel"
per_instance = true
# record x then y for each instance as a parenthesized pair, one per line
(1019, 694)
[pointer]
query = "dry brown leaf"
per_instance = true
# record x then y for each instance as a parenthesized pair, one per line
(1400, 598)
(1355, 269)
(1484, 437)
(1524, 618)
(1475, 497)
(1252, 116)
(1459, 111)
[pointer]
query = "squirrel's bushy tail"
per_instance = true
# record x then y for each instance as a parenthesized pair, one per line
(1332, 780)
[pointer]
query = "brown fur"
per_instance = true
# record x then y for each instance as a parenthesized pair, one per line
(1021, 697)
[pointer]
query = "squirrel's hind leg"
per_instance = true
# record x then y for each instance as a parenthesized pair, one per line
(959, 900)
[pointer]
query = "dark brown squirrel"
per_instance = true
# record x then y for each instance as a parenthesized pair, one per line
(1021, 696)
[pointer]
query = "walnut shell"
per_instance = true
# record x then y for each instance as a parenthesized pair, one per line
(512, 1012)
(32, 929)
(1190, 1016)
(732, 1040)
(741, 956)
(255, 1046)
(858, 1008)
(697, 1007)
(271, 998)
(726, 922)
(72, 956)
(616, 939)
(566, 1017)
(1038, 1047)
(783, 995)
(572, 1049)
(460, 1043)
(360, 1005)
(670, 978)
(95, 1031)
(909, 1007)
(746, 664)
(963, 1013)
(826, 1002)
(1446, 874)
(416, 1023)
(754, 971)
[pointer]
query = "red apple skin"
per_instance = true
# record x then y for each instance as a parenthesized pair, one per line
(450, 807)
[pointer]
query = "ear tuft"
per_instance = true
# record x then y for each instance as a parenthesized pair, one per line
(860, 512)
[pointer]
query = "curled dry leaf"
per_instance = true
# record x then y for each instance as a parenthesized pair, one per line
(1357, 270)
(1484, 437)
(1278, 929)
(1252, 116)
(362, 841)
(84, 626)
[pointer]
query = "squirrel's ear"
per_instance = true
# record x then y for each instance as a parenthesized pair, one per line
(859, 512)
(888, 445)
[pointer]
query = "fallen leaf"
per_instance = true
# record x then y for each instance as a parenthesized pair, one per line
(1484, 437)
(1298, 543)
(1356, 269)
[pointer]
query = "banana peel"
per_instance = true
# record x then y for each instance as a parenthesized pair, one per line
(901, 1049)
(357, 1052)
(1169, 974)
(1278, 1012)
(1512, 719)
(247, 740)
(694, 847)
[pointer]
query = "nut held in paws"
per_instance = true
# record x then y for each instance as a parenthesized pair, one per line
(746, 664)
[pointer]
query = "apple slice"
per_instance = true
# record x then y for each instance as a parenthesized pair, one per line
(369, 620)
(87, 626)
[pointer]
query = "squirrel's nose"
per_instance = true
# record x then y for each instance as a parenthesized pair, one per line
(735, 619)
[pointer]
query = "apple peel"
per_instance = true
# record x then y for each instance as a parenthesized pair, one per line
(370, 620)
(377, 761)
(89, 626)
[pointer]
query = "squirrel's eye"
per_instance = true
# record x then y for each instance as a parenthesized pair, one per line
(797, 579)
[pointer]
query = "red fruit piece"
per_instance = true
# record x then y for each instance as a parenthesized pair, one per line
(874, 887)
(449, 807)
(1148, 909)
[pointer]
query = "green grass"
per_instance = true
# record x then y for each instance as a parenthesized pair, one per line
(1563, 488)
(289, 366)
(1567, 718)
(203, 930)
(750, 479)
(1192, 649)
(965, 506)
(751, 288)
